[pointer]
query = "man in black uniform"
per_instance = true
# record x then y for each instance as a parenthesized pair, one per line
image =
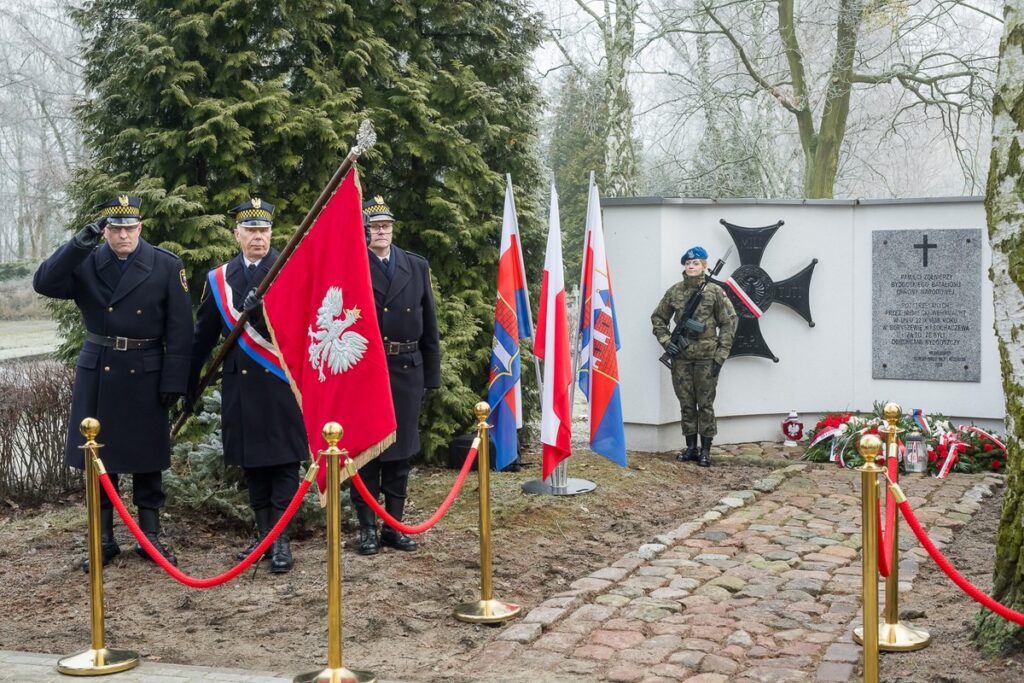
(134, 364)
(408, 327)
(260, 420)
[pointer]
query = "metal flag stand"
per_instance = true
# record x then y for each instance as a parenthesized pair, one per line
(559, 483)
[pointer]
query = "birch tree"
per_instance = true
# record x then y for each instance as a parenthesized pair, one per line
(615, 23)
(1004, 206)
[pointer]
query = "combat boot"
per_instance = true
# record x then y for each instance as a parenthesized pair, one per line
(690, 454)
(368, 542)
(149, 522)
(109, 549)
(281, 551)
(264, 523)
(705, 452)
(392, 537)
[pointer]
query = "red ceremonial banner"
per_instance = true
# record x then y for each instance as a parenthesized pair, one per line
(321, 315)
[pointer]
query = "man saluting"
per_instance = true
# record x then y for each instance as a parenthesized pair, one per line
(134, 364)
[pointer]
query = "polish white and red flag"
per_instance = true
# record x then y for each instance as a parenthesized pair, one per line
(551, 345)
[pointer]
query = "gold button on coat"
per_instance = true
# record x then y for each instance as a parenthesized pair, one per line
(110, 309)
(245, 372)
(106, 368)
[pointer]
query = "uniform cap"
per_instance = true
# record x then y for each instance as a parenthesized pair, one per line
(376, 210)
(121, 210)
(255, 213)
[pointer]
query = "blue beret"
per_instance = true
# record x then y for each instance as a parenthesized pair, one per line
(694, 252)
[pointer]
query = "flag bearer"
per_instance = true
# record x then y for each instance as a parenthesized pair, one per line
(261, 424)
(134, 363)
(408, 326)
(698, 355)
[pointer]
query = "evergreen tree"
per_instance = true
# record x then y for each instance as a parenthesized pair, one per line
(195, 106)
(455, 110)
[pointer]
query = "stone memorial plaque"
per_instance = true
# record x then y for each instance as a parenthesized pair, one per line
(926, 304)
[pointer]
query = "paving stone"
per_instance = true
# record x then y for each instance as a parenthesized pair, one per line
(763, 674)
(523, 632)
(834, 672)
(593, 651)
(843, 652)
(691, 659)
(624, 673)
(558, 641)
(728, 582)
(713, 663)
(591, 585)
(612, 600)
(740, 638)
(592, 613)
(545, 616)
(610, 573)
(673, 672)
(618, 640)
(647, 656)
(707, 678)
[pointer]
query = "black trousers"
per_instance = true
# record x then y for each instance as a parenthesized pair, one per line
(272, 486)
(147, 490)
(391, 478)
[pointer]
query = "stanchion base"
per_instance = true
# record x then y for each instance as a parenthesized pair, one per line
(98, 662)
(573, 487)
(898, 637)
(486, 611)
(341, 675)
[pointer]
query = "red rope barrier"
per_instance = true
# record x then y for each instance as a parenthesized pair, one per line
(179, 575)
(886, 551)
(957, 578)
(360, 485)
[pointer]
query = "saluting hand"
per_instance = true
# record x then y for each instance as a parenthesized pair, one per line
(89, 236)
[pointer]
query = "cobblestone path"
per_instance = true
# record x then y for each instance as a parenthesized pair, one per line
(765, 587)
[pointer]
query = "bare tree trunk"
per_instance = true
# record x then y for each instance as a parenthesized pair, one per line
(1005, 208)
(620, 153)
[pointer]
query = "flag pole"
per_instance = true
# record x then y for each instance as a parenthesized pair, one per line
(522, 269)
(558, 482)
(366, 137)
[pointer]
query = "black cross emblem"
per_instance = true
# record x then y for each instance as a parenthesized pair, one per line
(793, 292)
(924, 246)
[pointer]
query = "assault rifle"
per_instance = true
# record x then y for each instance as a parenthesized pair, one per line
(688, 323)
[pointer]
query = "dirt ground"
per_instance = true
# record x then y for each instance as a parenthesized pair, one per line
(397, 606)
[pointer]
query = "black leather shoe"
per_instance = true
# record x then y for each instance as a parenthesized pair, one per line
(368, 543)
(397, 540)
(704, 460)
(108, 551)
(281, 555)
(149, 522)
(264, 523)
(690, 454)
(160, 549)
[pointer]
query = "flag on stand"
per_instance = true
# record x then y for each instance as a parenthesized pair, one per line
(321, 315)
(599, 342)
(551, 344)
(511, 325)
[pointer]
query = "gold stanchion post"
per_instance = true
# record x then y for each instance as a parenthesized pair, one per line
(486, 610)
(99, 659)
(335, 672)
(869, 446)
(894, 636)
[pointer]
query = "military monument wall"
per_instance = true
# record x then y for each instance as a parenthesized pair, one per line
(899, 297)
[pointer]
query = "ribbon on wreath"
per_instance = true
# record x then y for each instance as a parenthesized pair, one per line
(953, 446)
(922, 422)
(985, 435)
(825, 433)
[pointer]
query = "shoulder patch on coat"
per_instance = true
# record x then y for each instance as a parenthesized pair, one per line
(184, 280)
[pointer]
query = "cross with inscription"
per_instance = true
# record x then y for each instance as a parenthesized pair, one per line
(924, 246)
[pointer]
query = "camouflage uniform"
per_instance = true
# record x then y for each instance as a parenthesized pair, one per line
(692, 377)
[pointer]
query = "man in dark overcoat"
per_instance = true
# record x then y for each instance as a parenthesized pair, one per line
(134, 363)
(261, 423)
(408, 327)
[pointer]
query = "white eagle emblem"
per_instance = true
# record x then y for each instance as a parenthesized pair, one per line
(331, 346)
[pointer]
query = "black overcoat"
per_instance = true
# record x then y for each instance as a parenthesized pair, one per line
(122, 388)
(260, 420)
(405, 313)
